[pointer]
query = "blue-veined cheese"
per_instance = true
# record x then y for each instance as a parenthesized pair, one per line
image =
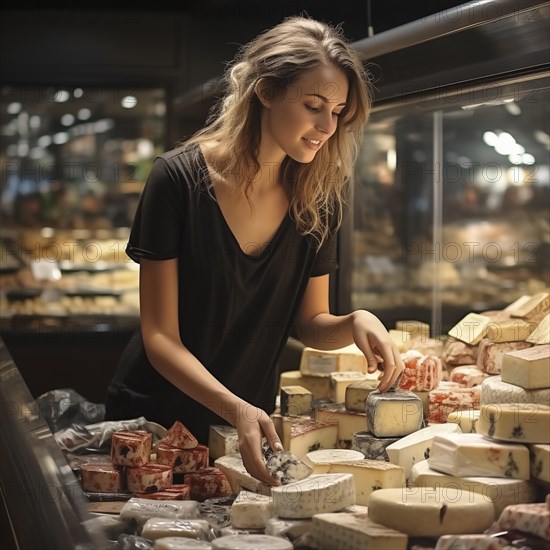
(222, 440)
(392, 414)
(528, 368)
(316, 494)
(500, 491)
(334, 531)
(467, 455)
(321, 460)
(239, 478)
(429, 512)
(494, 390)
(540, 462)
(286, 467)
(251, 542)
(372, 447)
(521, 422)
(409, 450)
(251, 510)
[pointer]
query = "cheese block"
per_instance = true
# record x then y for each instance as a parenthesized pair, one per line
(541, 334)
(251, 510)
(339, 381)
(288, 528)
(401, 339)
(421, 373)
(333, 531)
(494, 390)
(179, 436)
(295, 400)
(239, 478)
(315, 362)
(431, 512)
(179, 491)
(428, 346)
(101, 477)
(417, 329)
(392, 414)
(467, 376)
(148, 478)
(457, 353)
(140, 509)
(470, 542)
(424, 396)
(131, 448)
(181, 543)
(528, 518)
(372, 447)
(357, 393)
(317, 385)
(183, 460)
(489, 358)
(444, 400)
(498, 490)
(222, 440)
(528, 368)
(540, 462)
(207, 483)
(509, 330)
(467, 455)
(517, 304)
(520, 422)
(307, 435)
(409, 450)
(286, 467)
(251, 542)
(316, 494)
(320, 461)
(470, 329)
(348, 422)
(155, 528)
(369, 476)
(466, 419)
(534, 309)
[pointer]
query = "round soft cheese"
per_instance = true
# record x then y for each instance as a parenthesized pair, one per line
(431, 512)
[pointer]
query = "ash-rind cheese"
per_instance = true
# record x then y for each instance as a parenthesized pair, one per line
(540, 462)
(494, 390)
(295, 400)
(372, 447)
(430, 512)
(183, 461)
(315, 362)
(520, 422)
(251, 542)
(251, 510)
(467, 455)
(101, 477)
(131, 448)
(316, 494)
(320, 461)
(222, 440)
(528, 368)
(148, 478)
(413, 448)
(392, 414)
(333, 531)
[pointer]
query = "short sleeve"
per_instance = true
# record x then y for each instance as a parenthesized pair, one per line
(156, 229)
(326, 260)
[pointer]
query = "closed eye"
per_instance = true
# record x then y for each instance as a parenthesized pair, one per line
(318, 110)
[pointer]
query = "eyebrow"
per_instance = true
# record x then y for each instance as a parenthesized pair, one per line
(326, 99)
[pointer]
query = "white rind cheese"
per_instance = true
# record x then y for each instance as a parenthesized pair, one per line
(251, 511)
(466, 419)
(239, 478)
(314, 495)
(354, 532)
(409, 450)
(393, 414)
(494, 390)
(321, 460)
(466, 455)
(528, 368)
(428, 512)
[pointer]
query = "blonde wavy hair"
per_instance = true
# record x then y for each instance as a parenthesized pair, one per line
(279, 56)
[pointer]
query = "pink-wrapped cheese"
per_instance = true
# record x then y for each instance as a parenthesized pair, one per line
(174, 492)
(529, 518)
(101, 477)
(131, 448)
(489, 358)
(468, 376)
(148, 478)
(444, 401)
(179, 436)
(207, 483)
(183, 461)
(421, 373)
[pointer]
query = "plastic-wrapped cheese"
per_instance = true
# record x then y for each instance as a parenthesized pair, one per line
(251, 510)
(181, 543)
(141, 510)
(155, 528)
(251, 542)
(321, 459)
(316, 494)
(392, 414)
(354, 532)
(494, 390)
(421, 373)
(429, 512)
(467, 455)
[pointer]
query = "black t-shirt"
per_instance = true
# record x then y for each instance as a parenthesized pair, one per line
(235, 310)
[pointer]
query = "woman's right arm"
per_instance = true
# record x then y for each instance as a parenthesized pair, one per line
(158, 292)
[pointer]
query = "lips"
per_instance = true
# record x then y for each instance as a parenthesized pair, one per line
(312, 143)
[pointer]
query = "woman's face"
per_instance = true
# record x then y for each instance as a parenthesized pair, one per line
(300, 120)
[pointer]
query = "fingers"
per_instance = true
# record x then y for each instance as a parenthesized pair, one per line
(372, 361)
(255, 466)
(393, 369)
(271, 434)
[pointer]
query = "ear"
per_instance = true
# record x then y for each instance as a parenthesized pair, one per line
(264, 93)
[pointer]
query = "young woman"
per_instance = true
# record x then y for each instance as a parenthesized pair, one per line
(235, 234)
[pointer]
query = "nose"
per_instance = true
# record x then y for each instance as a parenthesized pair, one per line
(326, 124)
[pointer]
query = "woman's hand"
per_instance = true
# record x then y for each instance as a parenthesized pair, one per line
(252, 425)
(374, 341)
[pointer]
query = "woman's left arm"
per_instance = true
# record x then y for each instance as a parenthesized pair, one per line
(319, 329)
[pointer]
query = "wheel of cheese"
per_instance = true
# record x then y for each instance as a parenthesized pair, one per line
(251, 542)
(431, 512)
